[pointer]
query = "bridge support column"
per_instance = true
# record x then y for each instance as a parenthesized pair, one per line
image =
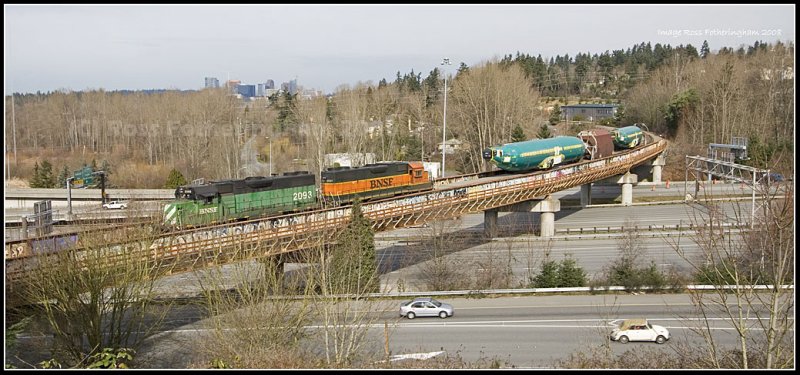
(274, 267)
(627, 180)
(658, 163)
(490, 223)
(547, 206)
(586, 194)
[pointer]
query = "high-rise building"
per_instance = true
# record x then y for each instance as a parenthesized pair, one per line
(270, 84)
(293, 86)
(248, 91)
(212, 82)
(260, 89)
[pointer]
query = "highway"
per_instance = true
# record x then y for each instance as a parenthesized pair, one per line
(522, 332)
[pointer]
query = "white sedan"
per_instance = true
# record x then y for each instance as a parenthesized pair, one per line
(639, 330)
(115, 205)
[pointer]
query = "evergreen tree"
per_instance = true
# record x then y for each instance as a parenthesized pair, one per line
(517, 134)
(353, 266)
(704, 50)
(619, 115)
(544, 132)
(174, 179)
(570, 275)
(555, 115)
(94, 165)
(35, 182)
(46, 178)
(62, 177)
(548, 277)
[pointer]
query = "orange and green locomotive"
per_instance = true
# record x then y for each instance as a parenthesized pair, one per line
(222, 201)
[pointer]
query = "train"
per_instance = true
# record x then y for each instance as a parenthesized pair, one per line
(541, 154)
(222, 201)
(228, 200)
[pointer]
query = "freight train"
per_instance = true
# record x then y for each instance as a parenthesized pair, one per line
(541, 154)
(228, 200)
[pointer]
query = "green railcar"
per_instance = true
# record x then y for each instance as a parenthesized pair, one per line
(627, 137)
(221, 201)
(536, 153)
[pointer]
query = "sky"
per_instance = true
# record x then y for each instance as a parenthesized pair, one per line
(135, 47)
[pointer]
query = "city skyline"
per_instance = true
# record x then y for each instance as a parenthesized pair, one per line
(139, 47)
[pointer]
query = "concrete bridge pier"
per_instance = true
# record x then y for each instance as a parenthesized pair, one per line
(274, 268)
(547, 206)
(658, 164)
(586, 194)
(627, 180)
(490, 223)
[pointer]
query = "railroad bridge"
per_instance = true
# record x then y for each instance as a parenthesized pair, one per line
(192, 249)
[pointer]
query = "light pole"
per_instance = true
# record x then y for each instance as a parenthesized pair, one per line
(69, 197)
(270, 156)
(446, 61)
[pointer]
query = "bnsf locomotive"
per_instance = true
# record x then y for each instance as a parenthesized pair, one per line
(221, 201)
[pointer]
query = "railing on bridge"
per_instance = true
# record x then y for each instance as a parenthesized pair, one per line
(187, 250)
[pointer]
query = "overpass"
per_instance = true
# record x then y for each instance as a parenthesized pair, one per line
(275, 236)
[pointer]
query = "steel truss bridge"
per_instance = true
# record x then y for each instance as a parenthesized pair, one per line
(192, 249)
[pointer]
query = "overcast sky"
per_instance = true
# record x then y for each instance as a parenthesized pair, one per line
(79, 47)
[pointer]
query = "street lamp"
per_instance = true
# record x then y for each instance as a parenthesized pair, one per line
(446, 61)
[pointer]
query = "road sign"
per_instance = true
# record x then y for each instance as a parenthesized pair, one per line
(83, 178)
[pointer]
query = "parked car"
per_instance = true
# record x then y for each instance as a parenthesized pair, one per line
(115, 205)
(425, 306)
(639, 330)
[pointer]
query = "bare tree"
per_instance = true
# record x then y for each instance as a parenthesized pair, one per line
(757, 251)
(99, 295)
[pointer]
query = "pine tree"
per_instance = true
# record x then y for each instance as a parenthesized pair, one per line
(555, 115)
(46, 178)
(570, 275)
(174, 179)
(544, 132)
(35, 182)
(704, 50)
(548, 277)
(63, 176)
(353, 265)
(517, 134)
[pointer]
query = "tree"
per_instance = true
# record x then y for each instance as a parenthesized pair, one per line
(353, 263)
(544, 132)
(35, 181)
(555, 115)
(46, 178)
(518, 135)
(756, 250)
(63, 176)
(92, 300)
(570, 274)
(619, 115)
(174, 179)
(704, 50)
(548, 277)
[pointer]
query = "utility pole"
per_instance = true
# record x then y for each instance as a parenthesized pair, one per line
(446, 61)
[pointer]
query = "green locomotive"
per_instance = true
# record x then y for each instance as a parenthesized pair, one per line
(221, 201)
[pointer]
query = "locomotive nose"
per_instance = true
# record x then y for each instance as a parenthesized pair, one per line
(487, 154)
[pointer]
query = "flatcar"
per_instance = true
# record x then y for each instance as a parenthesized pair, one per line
(221, 201)
(344, 184)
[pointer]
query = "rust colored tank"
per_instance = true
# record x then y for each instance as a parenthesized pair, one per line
(599, 143)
